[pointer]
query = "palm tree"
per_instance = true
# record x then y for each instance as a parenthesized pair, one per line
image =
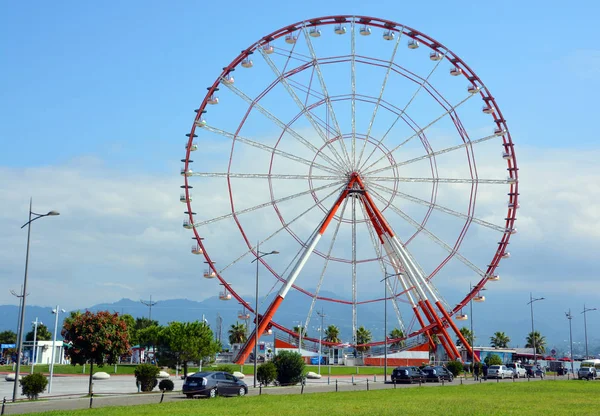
(394, 334)
(499, 340)
(540, 342)
(467, 334)
(237, 333)
(363, 336)
(332, 334)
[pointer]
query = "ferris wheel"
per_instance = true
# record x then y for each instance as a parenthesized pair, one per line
(371, 157)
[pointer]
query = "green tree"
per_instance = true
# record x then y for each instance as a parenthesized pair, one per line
(148, 337)
(466, 332)
(130, 322)
(395, 334)
(290, 367)
(141, 323)
(332, 334)
(98, 338)
(540, 342)
(42, 333)
(8, 337)
(363, 336)
(493, 359)
(237, 333)
(266, 373)
(181, 342)
(499, 340)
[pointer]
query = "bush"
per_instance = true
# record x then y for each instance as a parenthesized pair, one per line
(266, 373)
(33, 385)
(290, 367)
(166, 384)
(225, 368)
(145, 375)
(455, 367)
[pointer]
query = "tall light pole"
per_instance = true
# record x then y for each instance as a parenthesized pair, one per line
(22, 318)
(322, 315)
(259, 255)
(531, 300)
(33, 349)
(149, 304)
(56, 311)
(585, 328)
(570, 317)
(385, 334)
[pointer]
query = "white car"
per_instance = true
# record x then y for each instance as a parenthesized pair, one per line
(518, 369)
(499, 371)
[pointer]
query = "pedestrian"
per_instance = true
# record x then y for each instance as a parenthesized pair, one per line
(485, 371)
(476, 372)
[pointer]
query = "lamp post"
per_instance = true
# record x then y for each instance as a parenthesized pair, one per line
(34, 349)
(24, 293)
(530, 303)
(385, 335)
(322, 315)
(259, 255)
(570, 317)
(56, 311)
(585, 328)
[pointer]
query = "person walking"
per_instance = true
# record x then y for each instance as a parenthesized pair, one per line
(485, 371)
(476, 372)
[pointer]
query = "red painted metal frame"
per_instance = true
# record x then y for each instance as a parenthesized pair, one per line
(513, 195)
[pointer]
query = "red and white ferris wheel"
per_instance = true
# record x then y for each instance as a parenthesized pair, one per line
(366, 153)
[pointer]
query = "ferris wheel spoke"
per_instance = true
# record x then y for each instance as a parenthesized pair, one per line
(439, 207)
(450, 110)
(317, 67)
(268, 149)
(327, 258)
(353, 85)
(354, 317)
(302, 107)
(452, 251)
(419, 88)
(439, 180)
(433, 154)
(377, 246)
(263, 176)
(267, 204)
(383, 85)
(282, 125)
(279, 230)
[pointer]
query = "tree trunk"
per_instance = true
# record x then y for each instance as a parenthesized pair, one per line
(185, 369)
(90, 387)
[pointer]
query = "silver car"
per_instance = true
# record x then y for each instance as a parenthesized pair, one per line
(499, 371)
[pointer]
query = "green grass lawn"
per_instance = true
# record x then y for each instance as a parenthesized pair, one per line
(540, 398)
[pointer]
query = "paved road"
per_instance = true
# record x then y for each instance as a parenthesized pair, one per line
(67, 391)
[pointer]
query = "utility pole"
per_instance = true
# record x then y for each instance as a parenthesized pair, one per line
(34, 349)
(21, 295)
(149, 304)
(585, 328)
(531, 300)
(569, 317)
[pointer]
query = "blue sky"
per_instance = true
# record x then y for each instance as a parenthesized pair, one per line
(102, 94)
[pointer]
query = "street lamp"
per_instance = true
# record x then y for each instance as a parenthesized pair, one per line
(385, 335)
(531, 300)
(24, 293)
(56, 311)
(322, 315)
(33, 349)
(585, 328)
(569, 317)
(259, 254)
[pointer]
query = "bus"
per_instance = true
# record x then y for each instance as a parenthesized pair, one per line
(591, 363)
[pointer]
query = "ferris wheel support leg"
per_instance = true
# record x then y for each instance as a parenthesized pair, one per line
(458, 333)
(442, 329)
(441, 336)
(265, 320)
(427, 333)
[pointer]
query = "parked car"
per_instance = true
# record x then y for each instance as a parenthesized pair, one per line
(518, 369)
(407, 375)
(437, 373)
(499, 371)
(212, 384)
(587, 373)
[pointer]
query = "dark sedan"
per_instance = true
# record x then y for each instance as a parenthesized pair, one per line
(437, 373)
(214, 383)
(407, 375)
